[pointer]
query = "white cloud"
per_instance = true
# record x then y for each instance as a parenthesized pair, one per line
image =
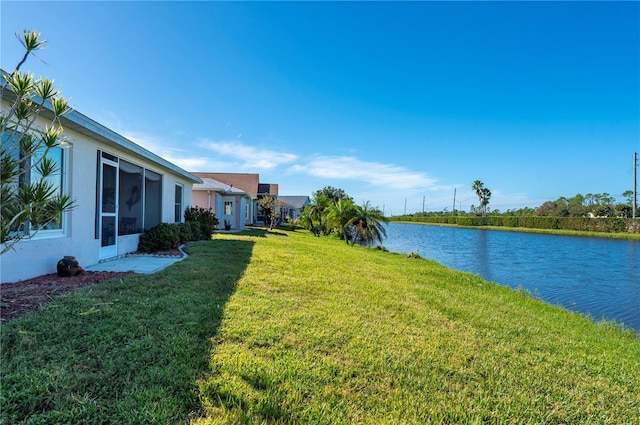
(251, 158)
(374, 173)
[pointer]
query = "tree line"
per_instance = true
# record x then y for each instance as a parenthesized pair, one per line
(589, 205)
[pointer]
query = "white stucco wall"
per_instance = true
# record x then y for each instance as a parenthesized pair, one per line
(40, 255)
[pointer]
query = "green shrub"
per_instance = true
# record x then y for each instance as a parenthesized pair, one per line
(189, 231)
(205, 218)
(162, 237)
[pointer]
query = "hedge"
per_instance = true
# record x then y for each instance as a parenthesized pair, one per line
(606, 225)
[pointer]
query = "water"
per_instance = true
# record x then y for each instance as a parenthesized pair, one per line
(595, 276)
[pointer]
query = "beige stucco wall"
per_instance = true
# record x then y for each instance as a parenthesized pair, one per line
(40, 255)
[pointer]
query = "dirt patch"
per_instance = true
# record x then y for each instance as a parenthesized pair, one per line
(16, 299)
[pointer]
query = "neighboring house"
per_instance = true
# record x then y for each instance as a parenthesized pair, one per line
(230, 205)
(266, 189)
(249, 183)
(120, 189)
(291, 206)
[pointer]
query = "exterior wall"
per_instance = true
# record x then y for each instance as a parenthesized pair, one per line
(200, 199)
(243, 181)
(215, 201)
(40, 254)
(206, 199)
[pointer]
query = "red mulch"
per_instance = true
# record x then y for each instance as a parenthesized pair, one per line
(18, 298)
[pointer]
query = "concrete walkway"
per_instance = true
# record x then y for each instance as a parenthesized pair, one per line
(143, 264)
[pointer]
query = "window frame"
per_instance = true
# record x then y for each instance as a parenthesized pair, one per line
(62, 180)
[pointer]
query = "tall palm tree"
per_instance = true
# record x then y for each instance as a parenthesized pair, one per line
(477, 187)
(338, 217)
(368, 223)
(485, 195)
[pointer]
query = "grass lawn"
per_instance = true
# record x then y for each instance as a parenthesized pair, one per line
(283, 327)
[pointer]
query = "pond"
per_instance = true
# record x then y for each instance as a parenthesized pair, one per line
(598, 277)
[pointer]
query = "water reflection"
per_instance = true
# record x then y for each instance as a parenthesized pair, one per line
(598, 277)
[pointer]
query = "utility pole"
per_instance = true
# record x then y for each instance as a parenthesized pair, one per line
(405, 206)
(453, 211)
(423, 204)
(635, 184)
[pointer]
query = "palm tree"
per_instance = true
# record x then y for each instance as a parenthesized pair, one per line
(368, 223)
(338, 217)
(477, 187)
(316, 214)
(485, 194)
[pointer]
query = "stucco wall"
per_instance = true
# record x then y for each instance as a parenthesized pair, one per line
(40, 255)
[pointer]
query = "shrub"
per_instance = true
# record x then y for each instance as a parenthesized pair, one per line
(189, 231)
(205, 218)
(162, 237)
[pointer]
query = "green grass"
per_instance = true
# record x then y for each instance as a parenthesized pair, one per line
(282, 327)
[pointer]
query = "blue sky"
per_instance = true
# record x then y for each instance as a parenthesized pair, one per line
(396, 103)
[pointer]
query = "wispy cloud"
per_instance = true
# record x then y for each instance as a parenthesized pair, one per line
(250, 158)
(229, 156)
(374, 173)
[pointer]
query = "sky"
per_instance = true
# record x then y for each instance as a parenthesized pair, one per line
(402, 104)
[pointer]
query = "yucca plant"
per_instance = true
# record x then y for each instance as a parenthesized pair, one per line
(31, 199)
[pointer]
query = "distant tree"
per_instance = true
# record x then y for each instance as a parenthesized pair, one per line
(368, 223)
(333, 194)
(30, 198)
(629, 195)
(315, 214)
(338, 217)
(483, 194)
(267, 208)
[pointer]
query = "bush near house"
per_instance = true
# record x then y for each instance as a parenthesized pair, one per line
(162, 237)
(205, 217)
(199, 225)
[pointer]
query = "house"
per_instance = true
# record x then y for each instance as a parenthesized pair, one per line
(266, 189)
(246, 182)
(120, 189)
(230, 204)
(291, 206)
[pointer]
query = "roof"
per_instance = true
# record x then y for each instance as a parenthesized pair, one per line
(76, 121)
(295, 201)
(243, 181)
(216, 186)
(268, 189)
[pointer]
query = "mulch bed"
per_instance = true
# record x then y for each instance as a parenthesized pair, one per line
(16, 299)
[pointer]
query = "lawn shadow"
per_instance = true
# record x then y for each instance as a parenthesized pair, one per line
(130, 350)
(262, 232)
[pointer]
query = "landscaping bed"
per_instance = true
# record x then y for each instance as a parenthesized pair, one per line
(17, 299)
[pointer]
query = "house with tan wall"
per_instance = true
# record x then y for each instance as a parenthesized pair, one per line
(120, 190)
(230, 204)
(248, 183)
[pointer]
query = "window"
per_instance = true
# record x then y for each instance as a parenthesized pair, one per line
(228, 208)
(29, 174)
(152, 199)
(246, 212)
(138, 192)
(130, 198)
(177, 217)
